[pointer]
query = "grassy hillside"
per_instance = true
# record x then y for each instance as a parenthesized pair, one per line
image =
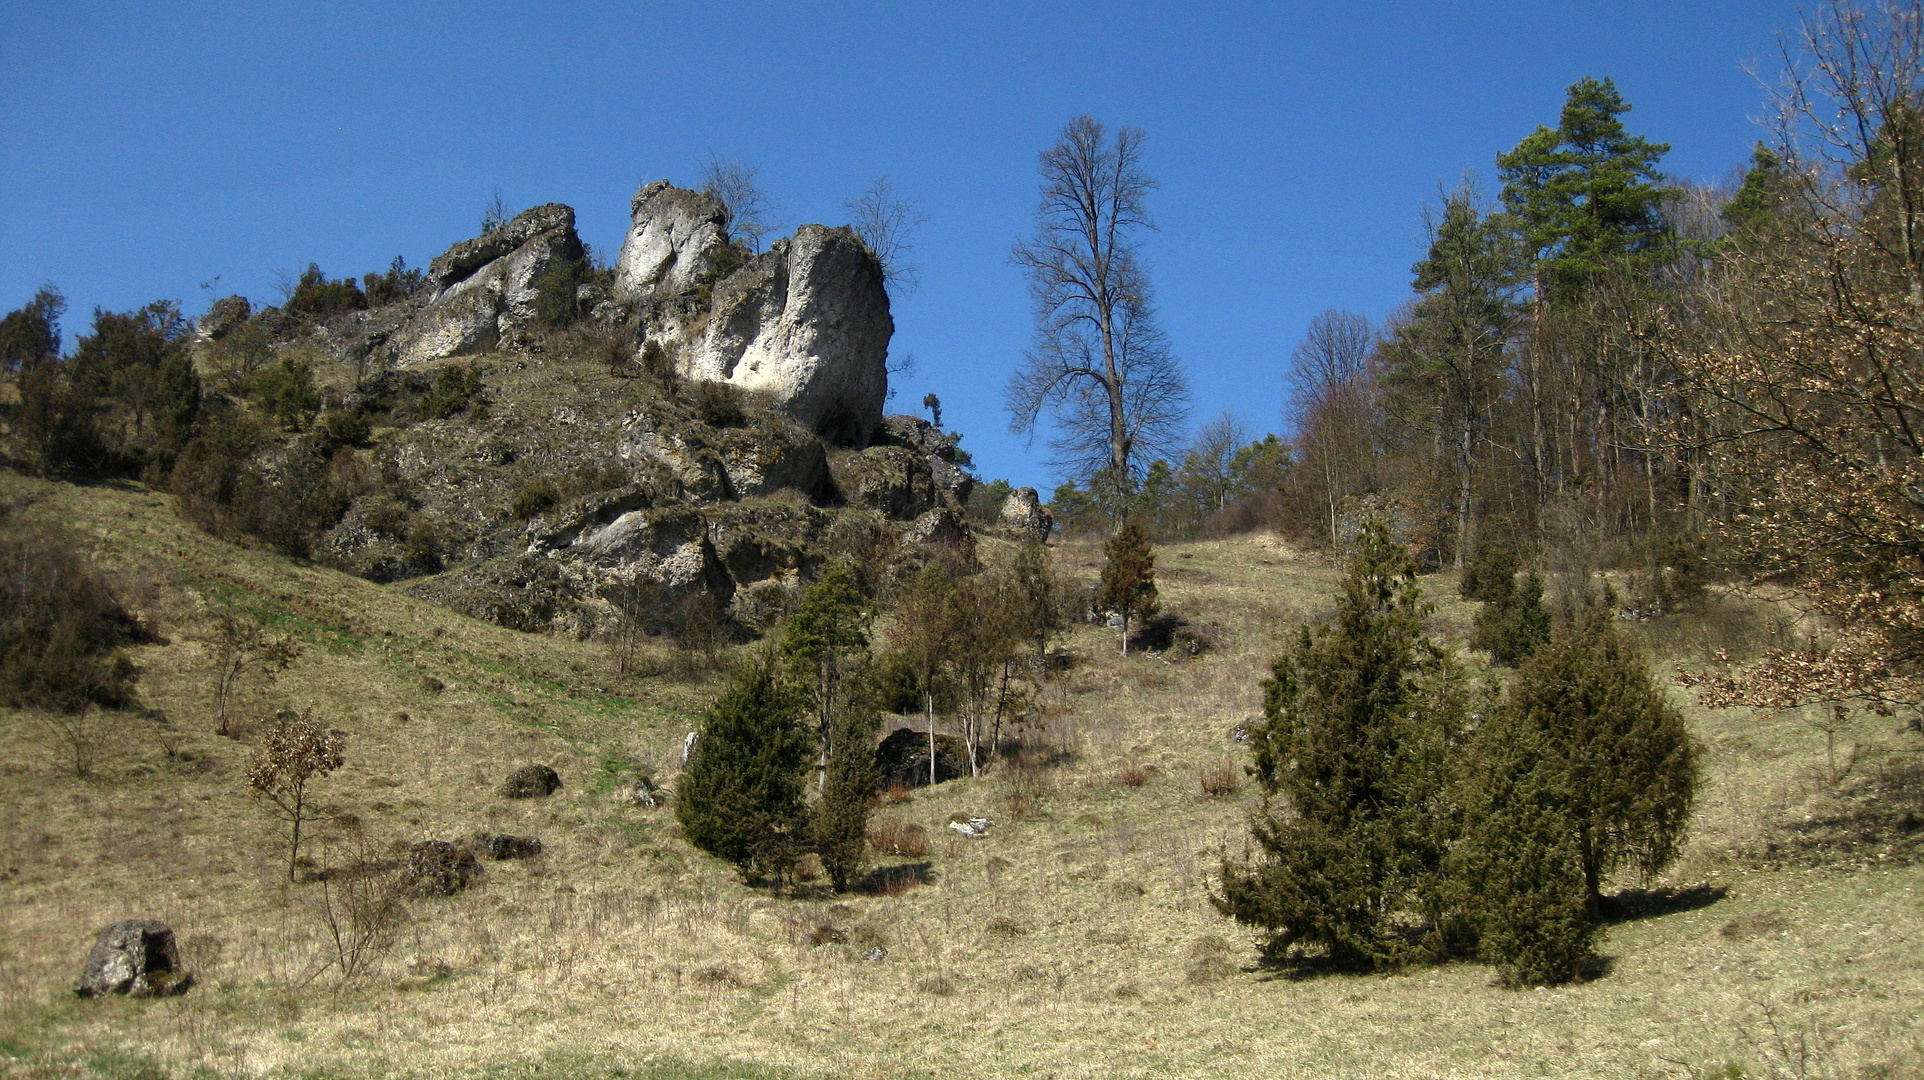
(1076, 940)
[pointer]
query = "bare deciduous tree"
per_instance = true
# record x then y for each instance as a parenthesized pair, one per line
(1333, 402)
(733, 184)
(885, 220)
(1099, 363)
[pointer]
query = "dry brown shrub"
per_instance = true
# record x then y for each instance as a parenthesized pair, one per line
(1219, 779)
(892, 836)
(1133, 775)
(897, 793)
(1004, 927)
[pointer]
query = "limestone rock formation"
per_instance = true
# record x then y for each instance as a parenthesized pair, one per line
(807, 323)
(483, 290)
(1023, 514)
(136, 957)
(673, 237)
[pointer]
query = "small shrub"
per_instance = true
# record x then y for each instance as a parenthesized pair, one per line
(1220, 779)
(296, 752)
(659, 367)
(349, 427)
(315, 297)
(392, 287)
(423, 553)
(1490, 575)
(1133, 775)
(718, 405)
(285, 391)
(897, 793)
(537, 496)
(456, 388)
(61, 627)
(438, 868)
(895, 837)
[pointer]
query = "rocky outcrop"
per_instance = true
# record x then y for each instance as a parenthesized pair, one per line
(674, 236)
(730, 463)
(937, 449)
(808, 324)
(484, 290)
(1022, 514)
(137, 958)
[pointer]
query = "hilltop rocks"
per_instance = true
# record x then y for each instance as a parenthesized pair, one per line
(483, 290)
(136, 957)
(673, 237)
(1022, 513)
(807, 323)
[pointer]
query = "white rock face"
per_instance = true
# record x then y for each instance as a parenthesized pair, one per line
(807, 323)
(485, 288)
(672, 235)
(1022, 512)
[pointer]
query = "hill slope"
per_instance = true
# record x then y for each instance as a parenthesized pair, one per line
(1075, 940)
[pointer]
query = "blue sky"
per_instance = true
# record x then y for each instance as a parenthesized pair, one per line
(148, 148)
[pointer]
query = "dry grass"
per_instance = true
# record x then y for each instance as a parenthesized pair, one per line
(1075, 940)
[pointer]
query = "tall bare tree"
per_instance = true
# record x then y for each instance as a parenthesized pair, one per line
(1333, 406)
(885, 219)
(1099, 363)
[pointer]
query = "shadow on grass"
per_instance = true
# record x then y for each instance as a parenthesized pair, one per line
(894, 880)
(1630, 905)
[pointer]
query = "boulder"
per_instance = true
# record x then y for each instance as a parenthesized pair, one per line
(903, 758)
(483, 290)
(807, 323)
(673, 236)
(938, 526)
(1023, 514)
(136, 957)
(531, 782)
(437, 868)
(893, 481)
(975, 828)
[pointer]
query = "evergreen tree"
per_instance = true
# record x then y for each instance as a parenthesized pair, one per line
(824, 639)
(742, 794)
(841, 815)
(1621, 762)
(1758, 199)
(1513, 622)
(1518, 869)
(1358, 723)
(1447, 359)
(1585, 194)
(1128, 576)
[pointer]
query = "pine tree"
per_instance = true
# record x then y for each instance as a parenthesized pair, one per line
(1623, 764)
(1358, 724)
(742, 795)
(1585, 194)
(1128, 576)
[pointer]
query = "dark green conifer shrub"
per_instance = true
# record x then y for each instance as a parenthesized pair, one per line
(840, 819)
(1491, 575)
(1618, 750)
(1518, 869)
(555, 301)
(1354, 756)
(741, 798)
(1513, 622)
(285, 391)
(1128, 576)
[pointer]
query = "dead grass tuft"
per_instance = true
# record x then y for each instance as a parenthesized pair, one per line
(891, 836)
(1133, 775)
